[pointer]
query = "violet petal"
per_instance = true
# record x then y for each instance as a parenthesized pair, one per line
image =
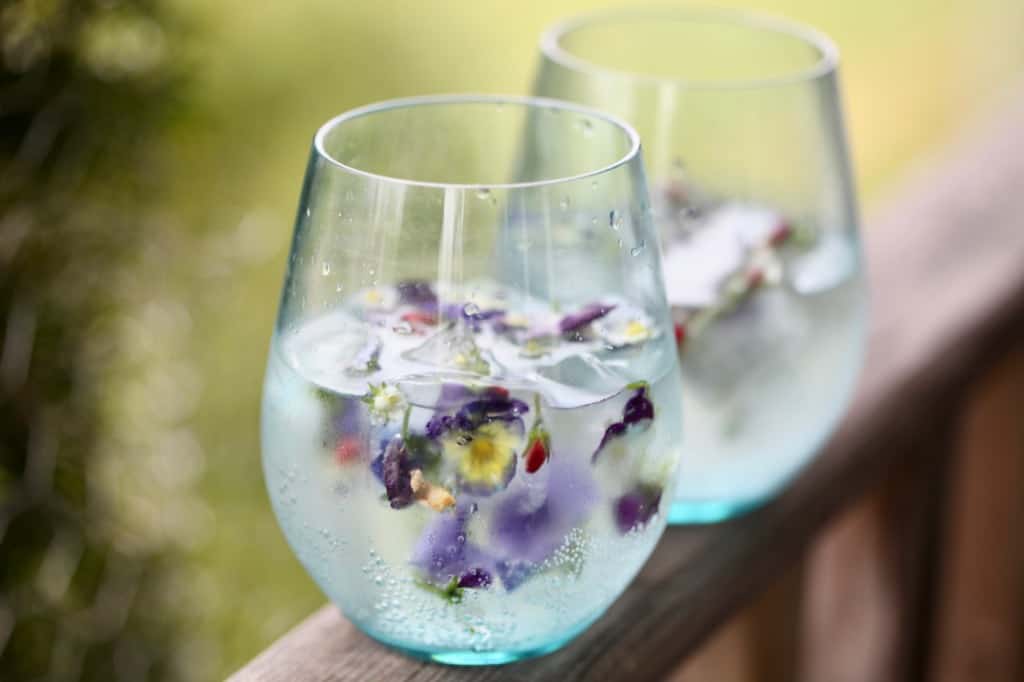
(636, 507)
(443, 551)
(584, 316)
(527, 529)
(638, 408)
(397, 474)
(416, 292)
(474, 578)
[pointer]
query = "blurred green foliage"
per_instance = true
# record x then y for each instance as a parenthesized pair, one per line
(143, 231)
(84, 88)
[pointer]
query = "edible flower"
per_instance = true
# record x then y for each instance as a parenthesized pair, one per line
(530, 523)
(581, 318)
(482, 439)
(385, 402)
(448, 560)
(635, 508)
(538, 444)
(637, 415)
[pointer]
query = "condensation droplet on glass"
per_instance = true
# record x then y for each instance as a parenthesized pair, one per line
(308, 212)
(615, 220)
(372, 272)
(587, 127)
(620, 243)
(639, 248)
(471, 309)
(403, 328)
(326, 268)
(594, 184)
(564, 204)
(483, 193)
(593, 221)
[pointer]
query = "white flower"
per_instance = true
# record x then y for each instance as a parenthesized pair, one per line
(625, 327)
(385, 403)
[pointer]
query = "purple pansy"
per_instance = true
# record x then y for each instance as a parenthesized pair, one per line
(398, 459)
(636, 507)
(472, 408)
(482, 439)
(637, 414)
(443, 553)
(583, 317)
(532, 522)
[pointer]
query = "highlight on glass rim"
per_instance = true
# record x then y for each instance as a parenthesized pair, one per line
(549, 341)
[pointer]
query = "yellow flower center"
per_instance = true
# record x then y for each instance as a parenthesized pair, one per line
(481, 450)
(635, 329)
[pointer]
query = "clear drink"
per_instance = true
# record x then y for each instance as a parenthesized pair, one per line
(484, 477)
(770, 321)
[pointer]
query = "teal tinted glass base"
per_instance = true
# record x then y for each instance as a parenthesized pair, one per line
(692, 512)
(469, 657)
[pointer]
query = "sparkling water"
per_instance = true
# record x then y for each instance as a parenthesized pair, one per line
(477, 479)
(770, 319)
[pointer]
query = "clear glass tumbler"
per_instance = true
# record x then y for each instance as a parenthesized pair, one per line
(740, 119)
(471, 402)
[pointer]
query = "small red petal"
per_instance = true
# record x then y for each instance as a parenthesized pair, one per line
(498, 391)
(755, 278)
(781, 233)
(680, 333)
(348, 449)
(419, 317)
(536, 455)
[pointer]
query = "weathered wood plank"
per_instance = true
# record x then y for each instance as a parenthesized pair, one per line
(947, 273)
(978, 631)
(869, 578)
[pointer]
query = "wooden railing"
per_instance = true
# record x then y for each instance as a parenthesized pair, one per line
(946, 268)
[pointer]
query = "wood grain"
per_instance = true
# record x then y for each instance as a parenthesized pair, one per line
(978, 632)
(946, 266)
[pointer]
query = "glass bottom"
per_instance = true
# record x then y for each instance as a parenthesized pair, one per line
(468, 657)
(695, 512)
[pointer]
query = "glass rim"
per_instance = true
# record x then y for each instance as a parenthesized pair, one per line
(828, 61)
(524, 101)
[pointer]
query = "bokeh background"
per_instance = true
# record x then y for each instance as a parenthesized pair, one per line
(151, 155)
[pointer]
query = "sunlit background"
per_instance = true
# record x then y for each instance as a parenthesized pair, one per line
(151, 155)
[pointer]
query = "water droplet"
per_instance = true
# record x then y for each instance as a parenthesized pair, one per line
(483, 193)
(403, 328)
(615, 220)
(378, 580)
(471, 309)
(587, 127)
(638, 249)
(564, 204)
(308, 212)
(372, 271)
(326, 268)
(338, 288)
(620, 243)
(593, 184)
(593, 221)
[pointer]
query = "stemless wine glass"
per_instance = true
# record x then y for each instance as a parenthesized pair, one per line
(470, 406)
(755, 208)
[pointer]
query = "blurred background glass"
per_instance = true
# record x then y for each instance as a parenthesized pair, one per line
(150, 161)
